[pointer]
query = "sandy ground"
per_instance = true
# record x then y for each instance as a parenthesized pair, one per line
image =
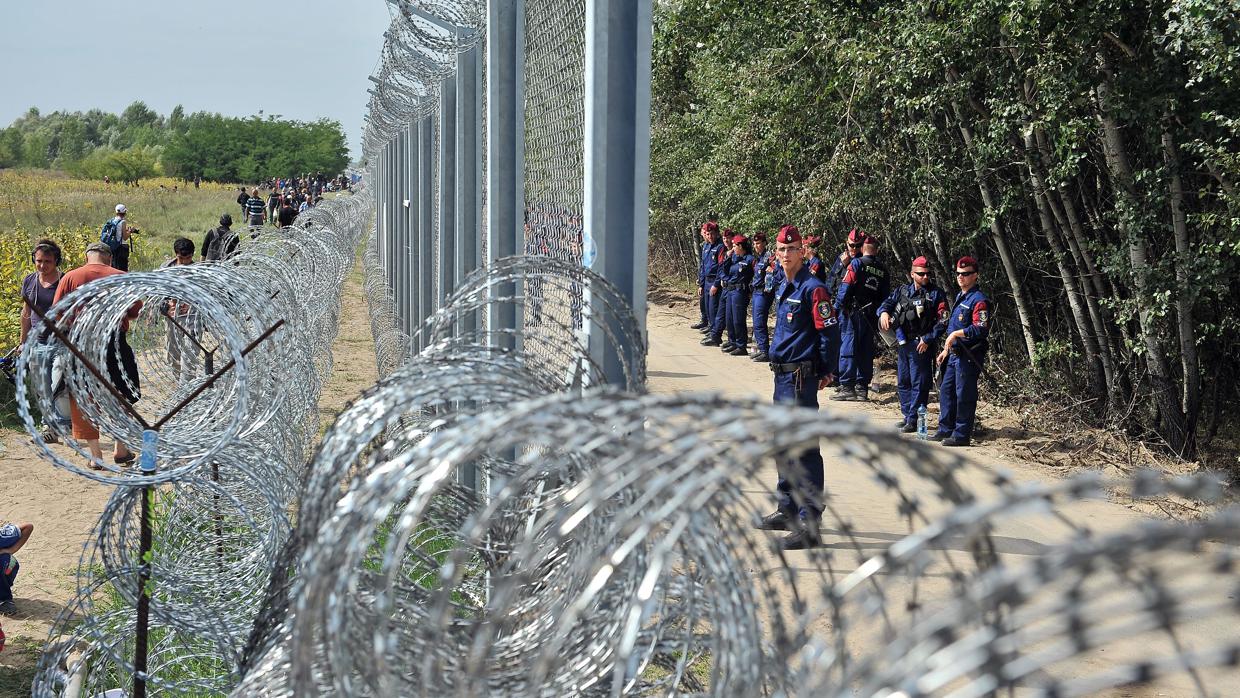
(64, 508)
(678, 363)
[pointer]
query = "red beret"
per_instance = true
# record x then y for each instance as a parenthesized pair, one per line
(759, 236)
(966, 261)
(788, 235)
(921, 262)
(737, 239)
(812, 239)
(710, 227)
(858, 236)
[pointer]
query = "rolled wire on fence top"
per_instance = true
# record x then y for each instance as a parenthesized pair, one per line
(230, 462)
(504, 534)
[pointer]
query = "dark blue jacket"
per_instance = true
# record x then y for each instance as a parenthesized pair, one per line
(916, 314)
(711, 263)
(971, 313)
(761, 265)
(737, 270)
(838, 267)
(806, 329)
(864, 284)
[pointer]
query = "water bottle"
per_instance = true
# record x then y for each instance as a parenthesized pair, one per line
(921, 422)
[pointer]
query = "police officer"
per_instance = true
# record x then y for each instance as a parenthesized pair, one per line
(803, 355)
(737, 277)
(918, 314)
(852, 250)
(766, 279)
(964, 352)
(864, 285)
(712, 265)
(704, 232)
(813, 261)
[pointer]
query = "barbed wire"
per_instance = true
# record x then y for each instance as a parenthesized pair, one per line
(230, 461)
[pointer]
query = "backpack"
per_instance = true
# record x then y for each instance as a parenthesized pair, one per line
(110, 235)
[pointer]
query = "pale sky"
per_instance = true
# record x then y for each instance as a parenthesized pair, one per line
(302, 60)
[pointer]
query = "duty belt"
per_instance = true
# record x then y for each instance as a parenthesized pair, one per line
(791, 368)
(730, 287)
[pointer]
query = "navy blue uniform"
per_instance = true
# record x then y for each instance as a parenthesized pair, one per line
(803, 351)
(836, 274)
(862, 288)
(818, 269)
(767, 275)
(738, 275)
(958, 391)
(918, 315)
(702, 297)
(713, 264)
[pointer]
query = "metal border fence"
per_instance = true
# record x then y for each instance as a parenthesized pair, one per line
(511, 127)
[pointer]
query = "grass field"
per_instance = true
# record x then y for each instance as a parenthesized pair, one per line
(37, 203)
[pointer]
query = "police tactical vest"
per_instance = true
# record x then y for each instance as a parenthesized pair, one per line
(872, 286)
(915, 315)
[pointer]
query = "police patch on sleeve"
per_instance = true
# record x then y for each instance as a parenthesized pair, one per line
(824, 310)
(982, 316)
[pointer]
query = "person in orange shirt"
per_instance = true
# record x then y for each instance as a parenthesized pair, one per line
(98, 265)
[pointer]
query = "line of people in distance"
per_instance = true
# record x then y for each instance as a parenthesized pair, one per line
(826, 322)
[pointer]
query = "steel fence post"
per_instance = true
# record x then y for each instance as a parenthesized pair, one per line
(505, 150)
(447, 191)
(617, 158)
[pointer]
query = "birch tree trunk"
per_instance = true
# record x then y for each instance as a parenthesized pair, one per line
(1164, 392)
(1191, 399)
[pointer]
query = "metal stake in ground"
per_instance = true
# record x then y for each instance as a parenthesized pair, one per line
(150, 443)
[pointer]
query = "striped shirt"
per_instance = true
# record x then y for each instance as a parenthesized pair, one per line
(255, 207)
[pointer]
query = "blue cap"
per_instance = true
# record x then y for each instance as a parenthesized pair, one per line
(9, 535)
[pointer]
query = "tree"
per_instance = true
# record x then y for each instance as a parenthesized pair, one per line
(1091, 153)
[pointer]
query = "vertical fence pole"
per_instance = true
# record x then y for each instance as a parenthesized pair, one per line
(412, 310)
(617, 158)
(447, 191)
(468, 168)
(505, 149)
(425, 270)
(382, 201)
(397, 191)
(142, 632)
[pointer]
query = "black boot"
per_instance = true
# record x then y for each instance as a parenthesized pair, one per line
(846, 393)
(699, 325)
(955, 441)
(762, 358)
(710, 342)
(779, 520)
(861, 395)
(908, 428)
(805, 537)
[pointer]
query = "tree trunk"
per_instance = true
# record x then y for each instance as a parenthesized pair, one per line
(1191, 399)
(1166, 397)
(999, 238)
(1097, 377)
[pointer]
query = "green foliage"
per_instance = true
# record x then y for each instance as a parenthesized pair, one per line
(141, 143)
(929, 123)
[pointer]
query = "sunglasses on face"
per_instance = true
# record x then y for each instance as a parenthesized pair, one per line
(854, 246)
(965, 274)
(921, 273)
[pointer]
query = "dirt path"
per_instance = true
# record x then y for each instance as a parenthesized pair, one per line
(678, 363)
(64, 508)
